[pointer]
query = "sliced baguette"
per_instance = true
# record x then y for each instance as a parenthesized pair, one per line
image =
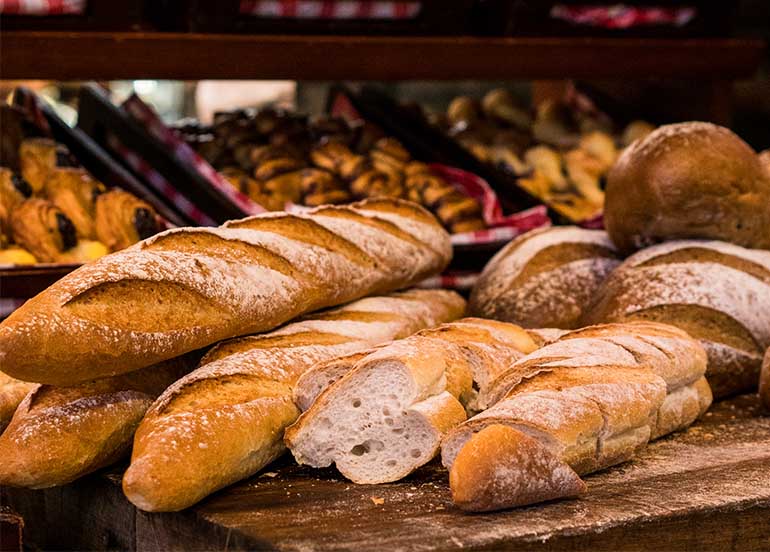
(225, 421)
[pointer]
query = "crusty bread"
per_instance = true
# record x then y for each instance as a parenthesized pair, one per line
(187, 288)
(764, 158)
(545, 278)
(718, 292)
(764, 381)
(688, 180)
(591, 399)
(387, 413)
(225, 421)
(12, 392)
(61, 433)
(529, 466)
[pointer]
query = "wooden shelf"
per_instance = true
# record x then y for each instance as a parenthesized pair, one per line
(99, 55)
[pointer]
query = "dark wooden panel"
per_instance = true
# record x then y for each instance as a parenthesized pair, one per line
(99, 55)
(707, 488)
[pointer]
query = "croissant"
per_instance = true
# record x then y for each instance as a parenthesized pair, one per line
(13, 190)
(42, 229)
(74, 192)
(122, 220)
(37, 157)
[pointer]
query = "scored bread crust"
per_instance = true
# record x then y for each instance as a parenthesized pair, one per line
(225, 420)
(718, 292)
(59, 434)
(688, 180)
(122, 312)
(592, 399)
(544, 278)
(381, 416)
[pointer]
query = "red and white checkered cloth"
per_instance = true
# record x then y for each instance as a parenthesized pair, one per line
(161, 185)
(501, 228)
(330, 9)
(42, 7)
(621, 16)
(147, 117)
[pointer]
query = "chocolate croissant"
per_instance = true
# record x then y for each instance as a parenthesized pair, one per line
(37, 157)
(122, 219)
(42, 229)
(74, 192)
(13, 190)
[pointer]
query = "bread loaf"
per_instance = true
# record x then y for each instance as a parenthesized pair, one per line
(225, 421)
(688, 180)
(12, 392)
(386, 416)
(764, 381)
(718, 292)
(187, 288)
(587, 401)
(59, 434)
(545, 278)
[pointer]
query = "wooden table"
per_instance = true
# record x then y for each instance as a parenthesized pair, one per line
(707, 488)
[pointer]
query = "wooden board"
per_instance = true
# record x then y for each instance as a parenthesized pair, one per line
(125, 55)
(707, 488)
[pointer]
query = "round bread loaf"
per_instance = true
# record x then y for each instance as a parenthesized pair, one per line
(688, 180)
(544, 278)
(717, 292)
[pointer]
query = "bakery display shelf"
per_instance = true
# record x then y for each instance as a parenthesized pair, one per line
(190, 56)
(707, 487)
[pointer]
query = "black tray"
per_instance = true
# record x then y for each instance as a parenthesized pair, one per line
(99, 117)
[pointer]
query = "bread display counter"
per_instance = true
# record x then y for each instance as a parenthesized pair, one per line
(264, 371)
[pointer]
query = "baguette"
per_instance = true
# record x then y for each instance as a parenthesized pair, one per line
(387, 415)
(12, 392)
(59, 434)
(590, 400)
(187, 288)
(717, 292)
(225, 421)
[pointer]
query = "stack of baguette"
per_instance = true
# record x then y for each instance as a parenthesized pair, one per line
(589, 400)
(380, 415)
(119, 317)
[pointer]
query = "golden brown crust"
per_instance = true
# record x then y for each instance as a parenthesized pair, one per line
(59, 434)
(689, 180)
(12, 392)
(501, 467)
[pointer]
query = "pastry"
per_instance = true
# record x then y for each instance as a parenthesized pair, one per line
(42, 229)
(123, 219)
(74, 192)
